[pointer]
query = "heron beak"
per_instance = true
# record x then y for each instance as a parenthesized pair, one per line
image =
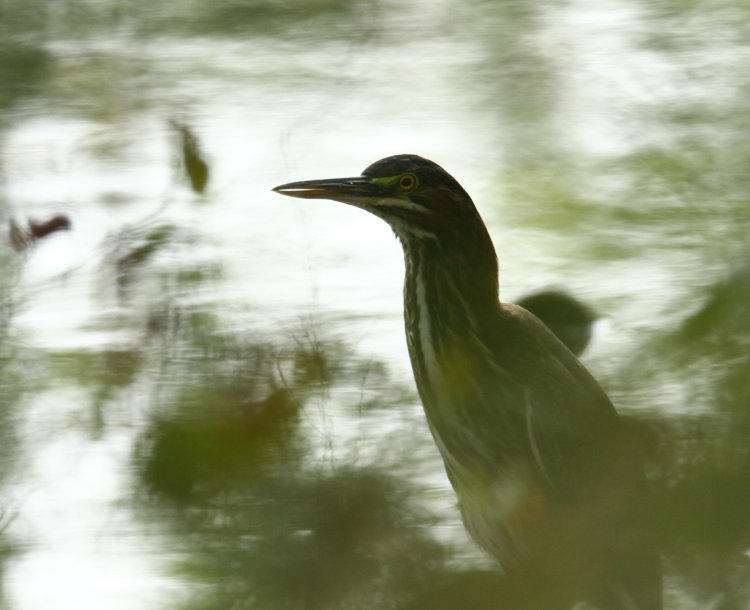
(358, 190)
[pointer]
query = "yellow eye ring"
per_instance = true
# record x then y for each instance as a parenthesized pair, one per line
(407, 182)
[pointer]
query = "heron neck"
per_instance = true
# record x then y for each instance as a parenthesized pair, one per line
(449, 298)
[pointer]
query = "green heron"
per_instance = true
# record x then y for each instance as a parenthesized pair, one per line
(535, 451)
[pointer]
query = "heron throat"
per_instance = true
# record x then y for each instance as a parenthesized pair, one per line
(448, 301)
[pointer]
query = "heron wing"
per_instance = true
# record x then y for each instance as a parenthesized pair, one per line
(570, 427)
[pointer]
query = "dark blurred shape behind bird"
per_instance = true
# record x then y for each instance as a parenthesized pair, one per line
(564, 315)
(536, 453)
(37, 229)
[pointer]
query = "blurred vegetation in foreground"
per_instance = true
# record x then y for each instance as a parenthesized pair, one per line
(284, 470)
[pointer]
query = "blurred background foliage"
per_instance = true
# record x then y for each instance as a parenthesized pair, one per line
(204, 393)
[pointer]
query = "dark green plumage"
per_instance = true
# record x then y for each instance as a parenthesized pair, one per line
(534, 449)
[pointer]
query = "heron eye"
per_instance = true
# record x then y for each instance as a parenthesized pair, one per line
(407, 182)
